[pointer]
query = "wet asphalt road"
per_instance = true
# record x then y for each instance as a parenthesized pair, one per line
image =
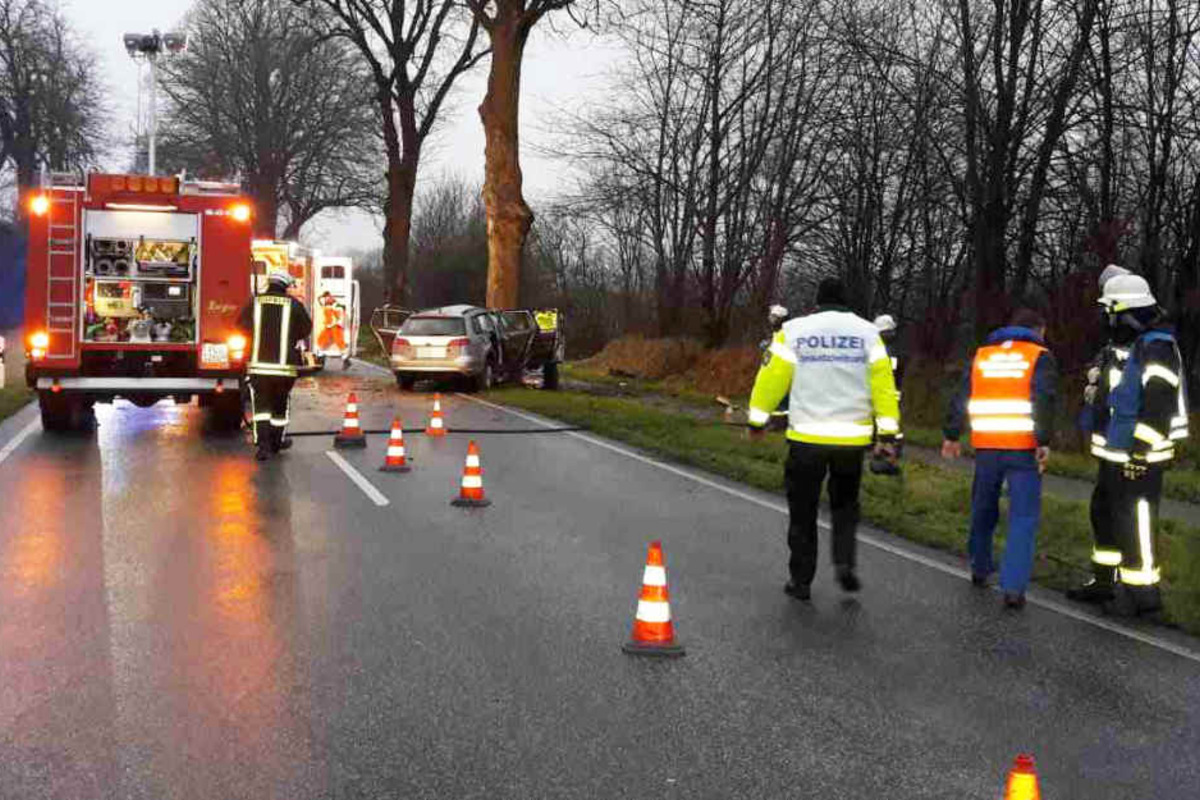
(177, 621)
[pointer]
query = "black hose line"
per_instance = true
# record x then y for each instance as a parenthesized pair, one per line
(480, 431)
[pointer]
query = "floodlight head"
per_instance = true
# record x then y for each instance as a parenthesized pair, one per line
(133, 43)
(175, 42)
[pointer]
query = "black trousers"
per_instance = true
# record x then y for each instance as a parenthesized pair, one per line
(270, 397)
(807, 466)
(1125, 515)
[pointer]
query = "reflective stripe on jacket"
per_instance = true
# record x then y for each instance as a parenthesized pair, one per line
(276, 323)
(1001, 401)
(836, 372)
(1147, 406)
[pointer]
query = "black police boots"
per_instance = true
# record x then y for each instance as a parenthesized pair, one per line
(848, 580)
(800, 591)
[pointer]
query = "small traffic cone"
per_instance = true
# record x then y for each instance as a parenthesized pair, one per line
(653, 633)
(351, 434)
(1022, 781)
(471, 493)
(437, 425)
(395, 461)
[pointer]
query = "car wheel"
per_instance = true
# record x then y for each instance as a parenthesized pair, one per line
(484, 380)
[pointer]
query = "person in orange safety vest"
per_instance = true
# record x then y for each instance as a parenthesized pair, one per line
(1008, 396)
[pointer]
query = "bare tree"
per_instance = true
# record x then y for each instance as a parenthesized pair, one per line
(1020, 62)
(508, 24)
(414, 52)
(51, 113)
(259, 94)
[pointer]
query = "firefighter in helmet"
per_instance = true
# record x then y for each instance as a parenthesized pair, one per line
(1137, 417)
(277, 322)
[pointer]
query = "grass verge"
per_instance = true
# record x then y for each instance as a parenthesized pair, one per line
(13, 398)
(928, 504)
(1181, 483)
(369, 349)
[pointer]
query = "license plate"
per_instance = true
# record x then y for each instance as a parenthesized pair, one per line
(431, 352)
(214, 356)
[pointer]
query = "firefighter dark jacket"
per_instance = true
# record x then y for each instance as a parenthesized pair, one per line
(276, 322)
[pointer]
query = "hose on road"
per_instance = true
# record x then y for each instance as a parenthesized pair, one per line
(478, 431)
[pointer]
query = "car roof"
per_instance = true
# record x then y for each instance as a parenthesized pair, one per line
(448, 311)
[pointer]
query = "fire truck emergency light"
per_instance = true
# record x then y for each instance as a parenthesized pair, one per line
(39, 205)
(139, 207)
(240, 212)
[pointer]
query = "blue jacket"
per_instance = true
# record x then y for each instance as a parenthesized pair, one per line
(1043, 391)
(1139, 399)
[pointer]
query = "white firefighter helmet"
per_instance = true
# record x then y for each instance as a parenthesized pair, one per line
(1110, 272)
(1124, 292)
(885, 323)
(777, 312)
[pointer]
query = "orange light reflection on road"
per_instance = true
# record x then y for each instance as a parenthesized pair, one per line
(34, 556)
(243, 557)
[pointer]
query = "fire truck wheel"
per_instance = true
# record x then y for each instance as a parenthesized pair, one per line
(61, 414)
(226, 411)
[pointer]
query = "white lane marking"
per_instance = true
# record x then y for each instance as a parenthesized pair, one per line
(1052, 605)
(370, 491)
(21, 436)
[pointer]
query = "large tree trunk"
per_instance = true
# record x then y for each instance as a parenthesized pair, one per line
(397, 206)
(509, 218)
(266, 208)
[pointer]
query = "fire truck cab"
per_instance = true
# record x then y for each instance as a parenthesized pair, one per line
(134, 285)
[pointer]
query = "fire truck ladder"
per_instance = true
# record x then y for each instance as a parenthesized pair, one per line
(62, 299)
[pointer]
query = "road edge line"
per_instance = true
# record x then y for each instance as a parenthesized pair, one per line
(1051, 605)
(359, 480)
(19, 438)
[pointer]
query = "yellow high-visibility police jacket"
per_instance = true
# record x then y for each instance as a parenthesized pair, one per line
(839, 376)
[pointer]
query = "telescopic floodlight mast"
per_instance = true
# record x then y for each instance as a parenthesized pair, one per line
(150, 46)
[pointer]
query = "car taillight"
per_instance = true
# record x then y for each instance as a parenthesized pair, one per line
(455, 347)
(402, 348)
(39, 344)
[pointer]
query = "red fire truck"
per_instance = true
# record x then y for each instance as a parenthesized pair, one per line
(134, 284)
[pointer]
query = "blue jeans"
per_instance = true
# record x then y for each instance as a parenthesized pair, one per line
(1019, 468)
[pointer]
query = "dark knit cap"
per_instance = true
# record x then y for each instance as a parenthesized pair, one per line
(831, 292)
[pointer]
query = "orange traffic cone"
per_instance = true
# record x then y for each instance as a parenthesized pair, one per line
(471, 493)
(653, 633)
(351, 434)
(1022, 781)
(437, 425)
(395, 461)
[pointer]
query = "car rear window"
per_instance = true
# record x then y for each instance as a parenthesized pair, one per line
(434, 326)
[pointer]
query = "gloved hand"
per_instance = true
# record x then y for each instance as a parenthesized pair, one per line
(1093, 386)
(1133, 471)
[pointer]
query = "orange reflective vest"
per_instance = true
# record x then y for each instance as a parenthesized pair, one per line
(1001, 404)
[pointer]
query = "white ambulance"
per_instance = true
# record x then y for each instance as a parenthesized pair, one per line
(336, 310)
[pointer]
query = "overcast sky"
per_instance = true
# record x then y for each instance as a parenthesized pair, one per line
(561, 71)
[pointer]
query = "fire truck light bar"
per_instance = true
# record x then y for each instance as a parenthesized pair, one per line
(140, 207)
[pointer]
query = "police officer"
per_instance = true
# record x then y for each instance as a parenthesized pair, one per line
(277, 322)
(1137, 418)
(836, 370)
(1009, 395)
